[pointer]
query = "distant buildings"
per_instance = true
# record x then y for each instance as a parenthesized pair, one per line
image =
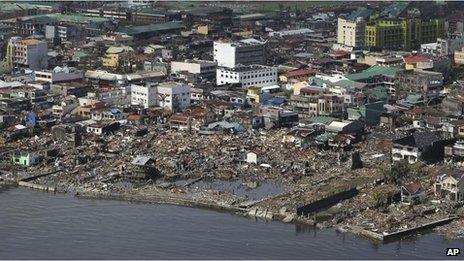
(296, 32)
(65, 32)
(244, 52)
(36, 24)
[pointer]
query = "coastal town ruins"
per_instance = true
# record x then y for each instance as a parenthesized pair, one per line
(333, 115)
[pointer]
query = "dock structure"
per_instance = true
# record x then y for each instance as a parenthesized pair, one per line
(408, 231)
(388, 237)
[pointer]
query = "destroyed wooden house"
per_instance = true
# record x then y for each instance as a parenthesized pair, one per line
(103, 127)
(67, 134)
(180, 122)
(450, 186)
(412, 193)
(141, 168)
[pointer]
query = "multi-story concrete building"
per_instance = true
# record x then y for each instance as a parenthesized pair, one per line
(413, 148)
(65, 32)
(174, 96)
(202, 68)
(245, 52)
(351, 32)
(144, 95)
(443, 46)
(59, 74)
(453, 103)
(351, 28)
(316, 105)
(247, 76)
(427, 83)
(171, 95)
(30, 53)
(403, 34)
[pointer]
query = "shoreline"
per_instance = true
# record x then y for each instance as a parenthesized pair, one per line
(154, 200)
(211, 205)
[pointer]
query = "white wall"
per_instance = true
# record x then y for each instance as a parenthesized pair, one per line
(224, 54)
(350, 33)
(143, 95)
(53, 77)
(180, 93)
(194, 68)
(261, 76)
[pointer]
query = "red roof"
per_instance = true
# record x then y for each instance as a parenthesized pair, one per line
(299, 72)
(340, 54)
(309, 90)
(413, 187)
(416, 110)
(179, 117)
(134, 117)
(417, 58)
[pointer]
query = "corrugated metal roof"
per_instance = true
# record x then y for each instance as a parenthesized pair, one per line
(75, 18)
(133, 30)
(374, 71)
(361, 12)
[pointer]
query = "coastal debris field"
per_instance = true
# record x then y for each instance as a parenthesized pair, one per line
(211, 171)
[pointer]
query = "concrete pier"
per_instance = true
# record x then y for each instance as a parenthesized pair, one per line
(388, 237)
(430, 225)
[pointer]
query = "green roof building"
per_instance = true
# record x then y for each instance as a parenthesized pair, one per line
(376, 76)
(373, 72)
(151, 29)
(369, 113)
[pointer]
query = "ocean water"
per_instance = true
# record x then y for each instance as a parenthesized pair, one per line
(39, 225)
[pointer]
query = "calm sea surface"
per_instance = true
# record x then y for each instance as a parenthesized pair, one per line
(38, 225)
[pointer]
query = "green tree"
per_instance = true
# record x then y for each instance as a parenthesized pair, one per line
(398, 173)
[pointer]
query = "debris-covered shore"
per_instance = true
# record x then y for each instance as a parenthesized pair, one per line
(210, 171)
